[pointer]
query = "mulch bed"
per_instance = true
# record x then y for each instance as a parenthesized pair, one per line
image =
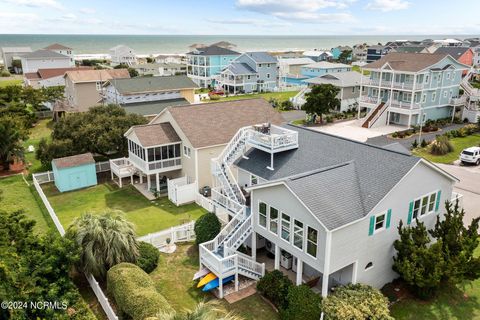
(15, 168)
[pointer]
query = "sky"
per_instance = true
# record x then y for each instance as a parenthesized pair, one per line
(241, 17)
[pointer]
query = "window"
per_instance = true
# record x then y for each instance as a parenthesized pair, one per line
(427, 78)
(434, 96)
(285, 227)
(445, 94)
(273, 220)
(262, 214)
(298, 234)
(416, 208)
(424, 98)
(440, 76)
(98, 85)
(187, 152)
(312, 236)
(248, 77)
(424, 205)
(369, 266)
(353, 89)
(253, 180)
(431, 204)
(259, 65)
(379, 222)
(268, 75)
(448, 75)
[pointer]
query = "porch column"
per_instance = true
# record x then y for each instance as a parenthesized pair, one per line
(148, 182)
(141, 177)
(325, 285)
(277, 257)
(120, 180)
(158, 182)
(254, 246)
(131, 179)
(236, 281)
(409, 120)
(111, 174)
(299, 271)
(220, 287)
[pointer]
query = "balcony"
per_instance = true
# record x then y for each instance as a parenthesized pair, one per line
(271, 138)
(369, 100)
(149, 167)
(406, 105)
(458, 101)
(406, 85)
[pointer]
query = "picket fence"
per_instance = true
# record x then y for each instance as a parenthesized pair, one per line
(181, 233)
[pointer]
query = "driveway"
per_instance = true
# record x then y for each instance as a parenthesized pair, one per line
(353, 130)
(293, 115)
(468, 186)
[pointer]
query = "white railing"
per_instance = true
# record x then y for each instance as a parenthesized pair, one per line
(277, 138)
(225, 201)
(204, 202)
(378, 114)
(102, 166)
(404, 104)
(458, 100)
(245, 262)
(370, 100)
(46, 177)
(162, 164)
(181, 233)
(235, 237)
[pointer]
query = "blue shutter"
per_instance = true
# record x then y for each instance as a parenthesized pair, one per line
(372, 225)
(389, 215)
(410, 213)
(437, 205)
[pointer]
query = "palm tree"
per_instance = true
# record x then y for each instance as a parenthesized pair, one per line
(10, 143)
(211, 310)
(104, 240)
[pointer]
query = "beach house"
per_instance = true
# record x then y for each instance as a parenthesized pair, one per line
(45, 78)
(84, 88)
(320, 68)
(318, 55)
(410, 88)
(10, 54)
(45, 59)
(160, 69)
(122, 54)
(376, 52)
(290, 69)
(148, 96)
(61, 49)
(180, 142)
(250, 72)
(337, 51)
(204, 63)
(322, 209)
(461, 54)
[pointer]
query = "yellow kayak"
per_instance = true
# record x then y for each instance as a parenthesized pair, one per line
(209, 277)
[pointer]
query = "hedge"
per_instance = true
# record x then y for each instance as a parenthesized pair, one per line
(303, 304)
(274, 286)
(207, 227)
(148, 258)
(134, 292)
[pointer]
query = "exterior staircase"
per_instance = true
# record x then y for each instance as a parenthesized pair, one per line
(220, 255)
(373, 115)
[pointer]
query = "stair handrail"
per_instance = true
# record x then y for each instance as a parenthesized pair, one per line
(379, 113)
(238, 218)
(245, 224)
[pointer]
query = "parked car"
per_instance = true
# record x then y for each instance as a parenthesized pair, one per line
(216, 93)
(470, 155)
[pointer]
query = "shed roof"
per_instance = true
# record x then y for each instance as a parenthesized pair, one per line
(74, 161)
(156, 134)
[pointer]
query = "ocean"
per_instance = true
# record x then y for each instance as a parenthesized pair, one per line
(154, 44)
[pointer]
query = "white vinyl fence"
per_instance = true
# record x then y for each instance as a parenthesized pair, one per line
(181, 233)
(45, 177)
(182, 191)
(102, 166)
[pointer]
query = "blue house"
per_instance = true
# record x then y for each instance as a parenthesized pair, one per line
(321, 68)
(336, 52)
(74, 172)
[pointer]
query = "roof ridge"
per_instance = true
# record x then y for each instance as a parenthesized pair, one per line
(216, 102)
(317, 171)
(351, 140)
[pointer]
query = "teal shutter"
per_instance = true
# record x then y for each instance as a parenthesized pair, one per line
(389, 215)
(372, 225)
(437, 205)
(410, 213)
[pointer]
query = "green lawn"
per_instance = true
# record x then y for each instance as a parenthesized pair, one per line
(147, 216)
(357, 68)
(9, 82)
(173, 279)
(42, 129)
(458, 144)
(452, 302)
(17, 195)
(280, 96)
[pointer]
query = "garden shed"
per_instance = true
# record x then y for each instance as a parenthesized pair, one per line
(74, 172)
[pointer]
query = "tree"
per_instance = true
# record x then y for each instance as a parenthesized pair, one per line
(148, 256)
(37, 268)
(133, 72)
(303, 304)
(46, 152)
(104, 241)
(345, 56)
(203, 311)
(458, 244)
(356, 302)
(206, 227)
(275, 287)
(11, 147)
(321, 99)
(418, 262)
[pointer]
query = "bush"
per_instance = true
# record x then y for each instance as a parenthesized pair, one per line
(207, 227)
(303, 303)
(395, 135)
(214, 97)
(4, 73)
(134, 292)
(275, 286)
(441, 146)
(424, 143)
(356, 301)
(148, 259)
(286, 105)
(329, 119)
(414, 144)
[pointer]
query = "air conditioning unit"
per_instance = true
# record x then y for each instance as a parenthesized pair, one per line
(270, 246)
(286, 260)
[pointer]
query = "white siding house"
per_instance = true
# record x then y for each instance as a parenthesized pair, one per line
(44, 59)
(122, 54)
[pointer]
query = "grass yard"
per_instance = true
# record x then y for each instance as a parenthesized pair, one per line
(17, 195)
(280, 96)
(452, 302)
(458, 144)
(10, 82)
(42, 129)
(173, 279)
(147, 216)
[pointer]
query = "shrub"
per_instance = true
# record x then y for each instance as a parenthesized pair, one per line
(4, 73)
(424, 143)
(441, 146)
(415, 144)
(395, 135)
(134, 292)
(329, 119)
(207, 227)
(214, 97)
(303, 303)
(287, 105)
(148, 258)
(401, 134)
(356, 301)
(274, 286)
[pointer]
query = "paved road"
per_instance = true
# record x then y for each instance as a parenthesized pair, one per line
(468, 186)
(293, 115)
(407, 142)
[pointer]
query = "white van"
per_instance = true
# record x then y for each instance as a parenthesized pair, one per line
(470, 155)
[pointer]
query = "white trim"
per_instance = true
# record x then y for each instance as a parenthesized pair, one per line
(420, 215)
(384, 225)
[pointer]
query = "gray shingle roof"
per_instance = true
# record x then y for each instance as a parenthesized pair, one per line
(157, 134)
(262, 57)
(152, 107)
(455, 52)
(74, 161)
(44, 54)
(378, 169)
(240, 68)
(151, 84)
(339, 79)
(213, 51)
(406, 61)
(333, 209)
